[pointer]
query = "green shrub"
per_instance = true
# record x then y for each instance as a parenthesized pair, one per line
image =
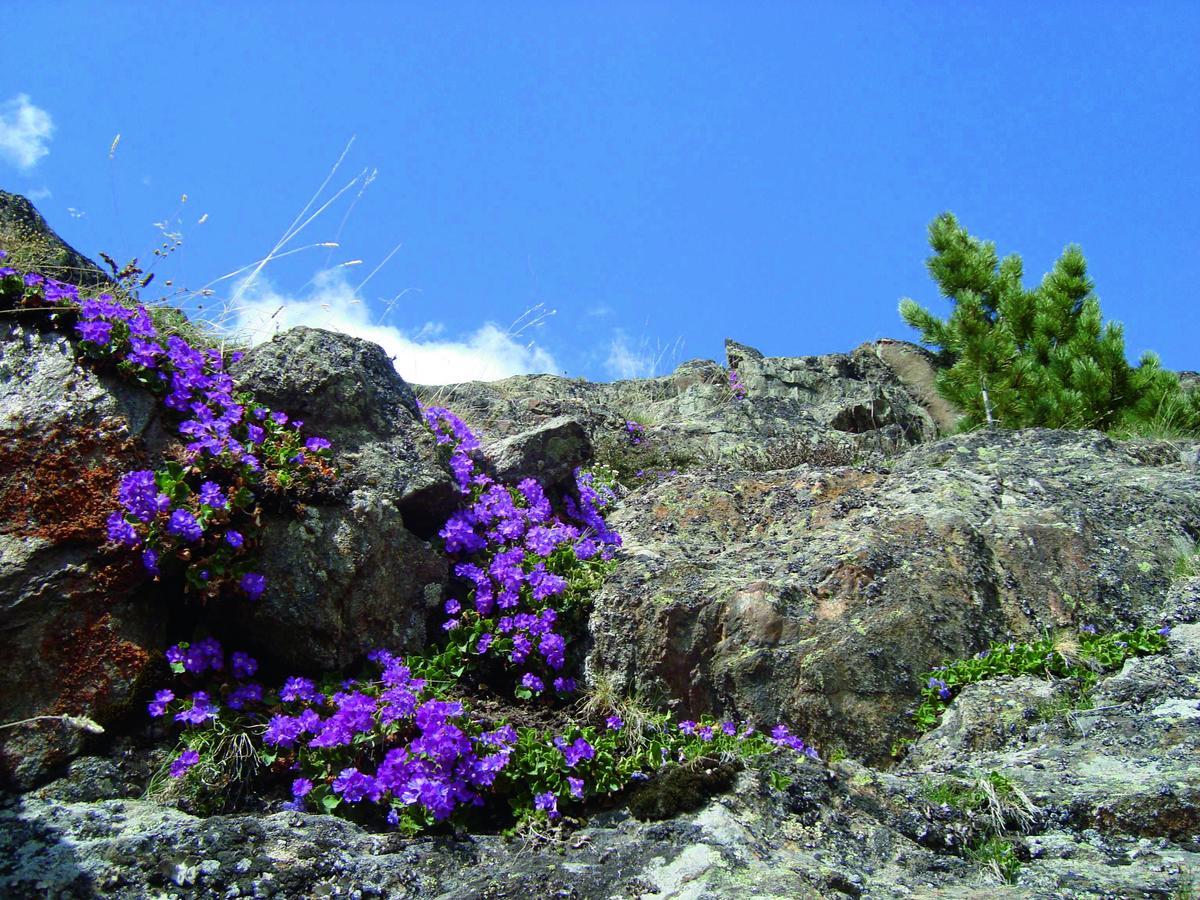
(1020, 358)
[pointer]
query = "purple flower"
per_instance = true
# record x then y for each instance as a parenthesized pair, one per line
(297, 688)
(234, 539)
(158, 706)
(728, 728)
(120, 531)
(936, 684)
(552, 647)
(1165, 630)
(139, 495)
(150, 562)
(243, 665)
(212, 495)
(533, 683)
(576, 786)
(253, 584)
(614, 723)
(579, 751)
(1088, 629)
(283, 731)
(183, 762)
(96, 332)
(243, 694)
(354, 786)
(199, 712)
(183, 524)
(548, 802)
(313, 444)
(564, 685)
(301, 787)
(687, 726)
(485, 641)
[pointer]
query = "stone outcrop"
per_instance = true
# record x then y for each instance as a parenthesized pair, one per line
(823, 594)
(351, 570)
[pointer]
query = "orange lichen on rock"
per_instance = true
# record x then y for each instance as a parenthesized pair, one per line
(88, 661)
(61, 485)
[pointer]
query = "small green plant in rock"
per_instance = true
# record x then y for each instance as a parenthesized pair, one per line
(1187, 559)
(1081, 659)
(998, 855)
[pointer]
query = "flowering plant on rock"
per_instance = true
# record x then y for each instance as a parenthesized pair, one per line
(201, 510)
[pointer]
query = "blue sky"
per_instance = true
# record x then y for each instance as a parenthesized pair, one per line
(637, 181)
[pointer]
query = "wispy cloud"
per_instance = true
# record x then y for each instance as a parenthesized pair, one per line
(24, 132)
(42, 193)
(641, 361)
(424, 357)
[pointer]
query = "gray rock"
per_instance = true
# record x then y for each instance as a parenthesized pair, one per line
(821, 595)
(549, 452)
(351, 572)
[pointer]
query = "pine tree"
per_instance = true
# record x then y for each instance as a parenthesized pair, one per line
(1022, 358)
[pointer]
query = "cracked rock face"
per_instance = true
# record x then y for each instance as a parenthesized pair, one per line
(820, 595)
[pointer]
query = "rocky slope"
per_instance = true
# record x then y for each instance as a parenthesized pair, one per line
(804, 553)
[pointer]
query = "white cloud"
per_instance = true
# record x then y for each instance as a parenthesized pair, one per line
(486, 354)
(642, 361)
(24, 131)
(42, 193)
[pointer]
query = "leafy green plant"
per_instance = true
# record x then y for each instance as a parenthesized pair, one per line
(1020, 358)
(1081, 659)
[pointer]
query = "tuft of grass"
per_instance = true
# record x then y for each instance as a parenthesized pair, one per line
(1187, 559)
(1063, 705)
(230, 763)
(997, 855)
(993, 805)
(1185, 888)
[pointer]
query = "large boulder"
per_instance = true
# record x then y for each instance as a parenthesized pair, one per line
(355, 570)
(75, 637)
(821, 595)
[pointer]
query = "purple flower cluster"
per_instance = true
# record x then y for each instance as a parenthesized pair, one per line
(442, 762)
(782, 737)
(41, 289)
(515, 542)
(735, 385)
(450, 431)
(635, 432)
